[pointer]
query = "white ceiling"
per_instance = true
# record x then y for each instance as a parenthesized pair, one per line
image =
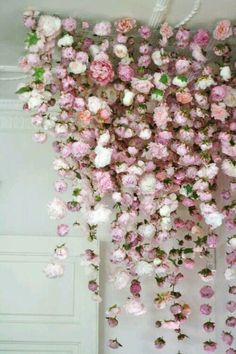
(12, 32)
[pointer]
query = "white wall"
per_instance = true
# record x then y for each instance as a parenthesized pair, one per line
(26, 186)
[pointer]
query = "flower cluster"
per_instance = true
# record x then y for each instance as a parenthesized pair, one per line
(142, 129)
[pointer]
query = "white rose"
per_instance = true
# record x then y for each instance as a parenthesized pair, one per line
(166, 223)
(144, 268)
(94, 50)
(66, 40)
(229, 168)
(60, 164)
(54, 270)
(57, 209)
(156, 57)
(230, 274)
(116, 196)
(121, 279)
(148, 183)
(209, 171)
(232, 242)
(35, 100)
(165, 210)
(49, 25)
(76, 67)
(205, 82)
(94, 104)
(128, 98)
(135, 170)
(100, 214)
(147, 230)
(120, 50)
(118, 255)
(135, 307)
(180, 81)
(214, 219)
(61, 252)
(103, 156)
(104, 138)
(145, 134)
(225, 73)
(157, 262)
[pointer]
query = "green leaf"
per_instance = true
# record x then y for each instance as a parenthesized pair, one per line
(167, 181)
(158, 92)
(189, 189)
(98, 198)
(188, 250)
(76, 192)
(38, 74)
(182, 78)
(23, 90)
(32, 38)
(164, 79)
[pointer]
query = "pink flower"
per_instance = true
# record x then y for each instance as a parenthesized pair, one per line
(231, 321)
(104, 181)
(69, 24)
(62, 229)
(227, 338)
(230, 351)
(189, 263)
(223, 30)
(159, 343)
(135, 287)
(206, 292)
(209, 346)
(219, 112)
(101, 70)
(209, 326)
(212, 240)
(102, 28)
(171, 324)
(142, 85)
(125, 72)
(92, 286)
(205, 309)
(175, 309)
(114, 344)
(39, 137)
(145, 32)
(125, 24)
(135, 307)
(231, 306)
(80, 149)
(184, 97)
(112, 322)
(161, 116)
(218, 93)
(201, 37)
(166, 30)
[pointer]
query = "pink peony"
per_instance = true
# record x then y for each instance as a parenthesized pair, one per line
(223, 30)
(69, 24)
(142, 85)
(125, 72)
(161, 116)
(102, 28)
(101, 70)
(218, 93)
(104, 181)
(145, 32)
(206, 309)
(80, 149)
(201, 37)
(125, 24)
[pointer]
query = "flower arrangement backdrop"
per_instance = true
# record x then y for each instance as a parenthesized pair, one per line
(143, 122)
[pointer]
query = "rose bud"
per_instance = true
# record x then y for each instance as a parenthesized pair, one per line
(227, 338)
(112, 322)
(114, 344)
(92, 285)
(205, 309)
(135, 287)
(209, 326)
(232, 290)
(209, 346)
(231, 306)
(231, 321)
(159, 343)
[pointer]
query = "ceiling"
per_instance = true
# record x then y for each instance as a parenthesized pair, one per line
(12, 32)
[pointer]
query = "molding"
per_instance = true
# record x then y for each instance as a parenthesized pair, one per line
(158, 12)
(12, 116)
(196, 7)
(9, 73)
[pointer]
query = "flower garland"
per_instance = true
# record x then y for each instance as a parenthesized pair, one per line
(144, 122)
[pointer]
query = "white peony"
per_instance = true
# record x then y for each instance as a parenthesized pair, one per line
(118, 255)
(100, 214)
(230, 274)
(57, 209)
(144, 268)
(205, 82)
(225, 73)
(35, 99)
(212, 217)
(229, 168)
(128, 98)
(120, 50)
(148, 183)
(165, 210)
(94, 49)
(76, 67)
(147, 230)
(54, 270)
(209, 171)
(117, 197)
(49, 26)
(103, 156)
(104, 138)
(65, 41)
(135, 307)
(94, 104)
(121, 279)
(166, 223)
(145, 134)
(232, 242)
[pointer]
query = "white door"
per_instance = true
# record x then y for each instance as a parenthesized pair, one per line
(37, 315)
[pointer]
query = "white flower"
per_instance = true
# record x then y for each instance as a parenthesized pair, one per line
(205, 82)
(103, 156)
(230, 274)
(144, 268)
(57, 209)
(118, 255)
(147, 230)
(116, 196)
(148, 183)
(76, 67)
(102, 28)
(166, 223)
(94, 104)
(211, 215)
(128, 98)
(66, 40)
(209, 171)
(61, 252)
(180, 81)
(145, 134)
(165, 210)
(104, 138)
(229, 168)
(225, 73)
(49, 25)
(120, 50)
(232, 242)
(54, 270)
(60, 164)
(135, 170)
(94, 49)
(121, 279)
(135, 307)
(100, 214)
(156, 57)
(35, 99)
(95, 297)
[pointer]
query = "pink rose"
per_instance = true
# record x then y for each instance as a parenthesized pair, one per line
(218, 93)
(92, 286)
(223, 30)
(125, 24)
(219, 112)
(142, 85)
(135, 287)
(201, 37)
(102, 28)
(62, 229)
(161, 116)
(112, 322)
(125, 72)
(114, 344)
(80, 149)
(209, 346)
(104, 181)
(184, 97)
(145, 32)
(205, 309)
(227, 338)
(101, 71)
(206, 292)
(231, 321)
(231, 306)
(69, 24)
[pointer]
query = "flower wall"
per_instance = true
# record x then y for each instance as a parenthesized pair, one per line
(143, 122)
